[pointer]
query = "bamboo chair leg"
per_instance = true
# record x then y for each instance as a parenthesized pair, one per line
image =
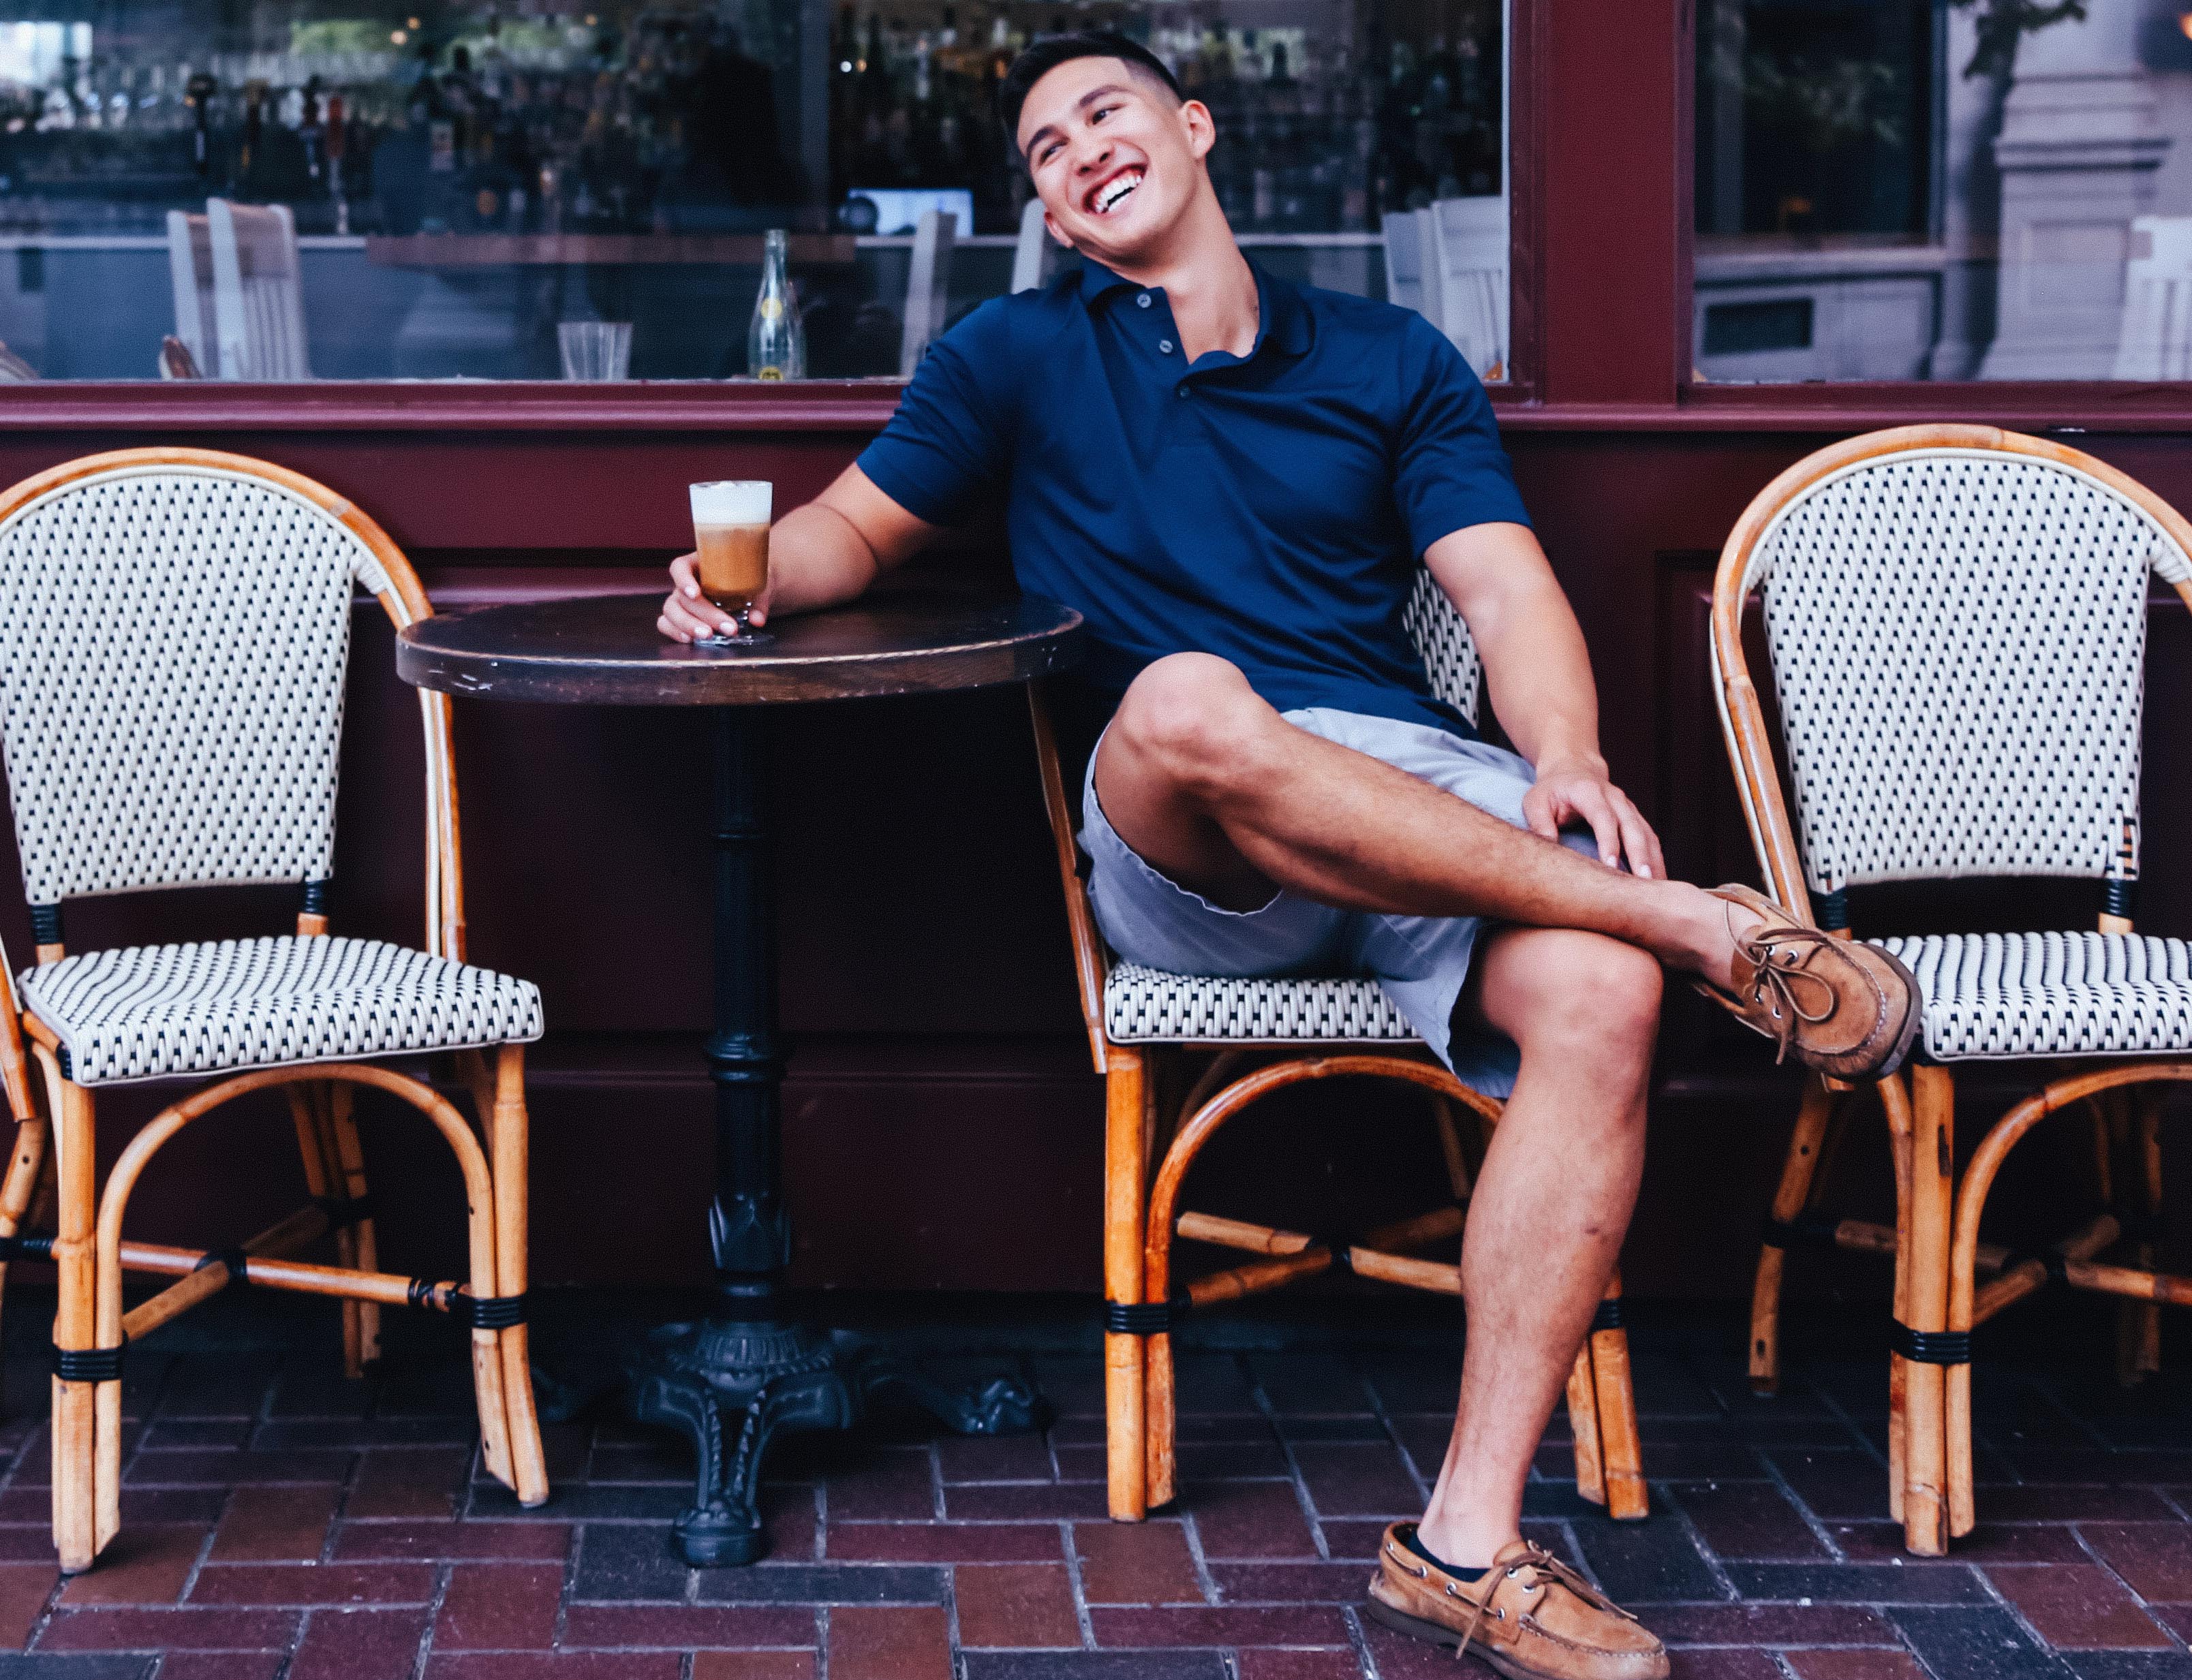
(1126, 1188)
(1933, 1145)
(2139, 1326)
(1895, 1104)
(1626, 1497)
(316, 1149)
(1799, 1170)
(365, 1246)
(509, 1145)
(1583, 1425)
(75, 1424)
(1159, 1409)
(1458, 1177)
(25, 1168)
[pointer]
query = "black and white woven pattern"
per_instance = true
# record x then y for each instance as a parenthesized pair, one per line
(1957, 639)
(1442, 637)
(2000, 996)
(172, 648)
(1147, 1005)
(149, 1011)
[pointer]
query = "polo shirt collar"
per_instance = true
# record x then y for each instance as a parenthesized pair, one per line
(1285, 323)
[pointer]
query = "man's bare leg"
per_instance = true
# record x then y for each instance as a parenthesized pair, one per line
(1551, 1203)
(1209, 784)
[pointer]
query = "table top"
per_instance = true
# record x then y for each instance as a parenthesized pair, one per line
(604, 651)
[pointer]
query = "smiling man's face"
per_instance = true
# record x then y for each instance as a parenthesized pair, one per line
(1114, 157)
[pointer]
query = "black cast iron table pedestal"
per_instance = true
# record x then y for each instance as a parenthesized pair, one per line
(751, 1371)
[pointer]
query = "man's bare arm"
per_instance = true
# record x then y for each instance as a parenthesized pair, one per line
(1537, 674)
(826, 552)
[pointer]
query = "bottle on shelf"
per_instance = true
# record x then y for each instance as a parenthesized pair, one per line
(776, 343)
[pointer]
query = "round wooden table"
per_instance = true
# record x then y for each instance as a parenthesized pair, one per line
(751, 1371)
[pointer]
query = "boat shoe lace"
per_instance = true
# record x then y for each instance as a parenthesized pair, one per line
(1536, 1572)
(1777, 956)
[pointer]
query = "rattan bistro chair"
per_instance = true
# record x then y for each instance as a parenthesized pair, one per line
(1956, 621)
(1143, 1024)
(174, 627)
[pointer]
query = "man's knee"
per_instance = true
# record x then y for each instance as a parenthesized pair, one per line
(1193, 718)
(1586, 989)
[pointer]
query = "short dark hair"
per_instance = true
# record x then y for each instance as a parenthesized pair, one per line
(1041, 57)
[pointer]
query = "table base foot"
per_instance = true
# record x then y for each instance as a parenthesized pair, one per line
(734, 1387)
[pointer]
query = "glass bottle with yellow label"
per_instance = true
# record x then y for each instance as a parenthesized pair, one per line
(776, 348)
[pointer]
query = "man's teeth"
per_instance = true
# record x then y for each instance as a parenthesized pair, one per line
(1116, 190)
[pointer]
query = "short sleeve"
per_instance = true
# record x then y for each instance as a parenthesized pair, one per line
(948, 447)
(1450, 470)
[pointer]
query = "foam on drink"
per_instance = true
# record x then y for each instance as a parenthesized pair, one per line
(730, 529)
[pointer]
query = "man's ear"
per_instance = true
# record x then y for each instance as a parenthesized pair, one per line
(1050, 226)
(1201, 128)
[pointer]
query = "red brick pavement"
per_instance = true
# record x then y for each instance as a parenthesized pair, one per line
(280, 1525)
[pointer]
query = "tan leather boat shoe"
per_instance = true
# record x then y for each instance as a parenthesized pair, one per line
(1846, 1009)
(1530, 1615)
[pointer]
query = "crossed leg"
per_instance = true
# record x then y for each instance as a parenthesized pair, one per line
(1209, 784)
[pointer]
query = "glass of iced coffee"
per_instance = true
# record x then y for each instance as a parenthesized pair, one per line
(730, 529)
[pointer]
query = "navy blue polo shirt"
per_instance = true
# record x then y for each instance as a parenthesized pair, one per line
(1269, 509)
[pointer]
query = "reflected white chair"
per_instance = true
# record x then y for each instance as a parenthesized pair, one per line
(2157, 323)
(928, 287)
(1449, 263)
(174, 631)
(238, 290)
(1033, 255)
(1256, 1036)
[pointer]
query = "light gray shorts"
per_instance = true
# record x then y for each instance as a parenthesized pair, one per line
(1420, 962)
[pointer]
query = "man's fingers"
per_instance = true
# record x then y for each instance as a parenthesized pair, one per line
(682, 576)
(1596, 809)
(1641, 844)
(685, 620)
(1537, 812)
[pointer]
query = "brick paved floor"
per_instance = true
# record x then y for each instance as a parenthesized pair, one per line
(280, 1525)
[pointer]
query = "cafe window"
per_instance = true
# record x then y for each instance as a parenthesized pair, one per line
(546, 189)
(1942, 190)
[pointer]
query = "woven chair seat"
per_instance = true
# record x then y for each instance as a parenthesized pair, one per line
(150, 1011)
(1147, 1005)
(2005, 995)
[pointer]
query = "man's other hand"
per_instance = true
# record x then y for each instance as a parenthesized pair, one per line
(689, 615)
(1576, 790)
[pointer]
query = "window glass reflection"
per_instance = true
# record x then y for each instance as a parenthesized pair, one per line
(1944, 189)
(396, 189)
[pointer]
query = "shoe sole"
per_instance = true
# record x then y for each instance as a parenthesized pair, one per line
(1437, 1633)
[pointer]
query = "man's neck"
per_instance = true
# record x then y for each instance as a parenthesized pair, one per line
(1207, 281)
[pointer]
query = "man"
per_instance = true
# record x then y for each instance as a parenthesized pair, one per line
(1233, 479)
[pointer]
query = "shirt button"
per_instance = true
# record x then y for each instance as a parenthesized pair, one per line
(1143, 300)
(1165, 345)
(1183, 390)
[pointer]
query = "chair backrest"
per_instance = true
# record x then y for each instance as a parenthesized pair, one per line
(928, 287)
(13, 369)
(1404, 231)
(1466, 250)
(1448, 263)
(258, 291)
(174, 626)
(2157, 322)
(1441, 636)
(190, 276)
(1031, 254)
(1956, 622)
